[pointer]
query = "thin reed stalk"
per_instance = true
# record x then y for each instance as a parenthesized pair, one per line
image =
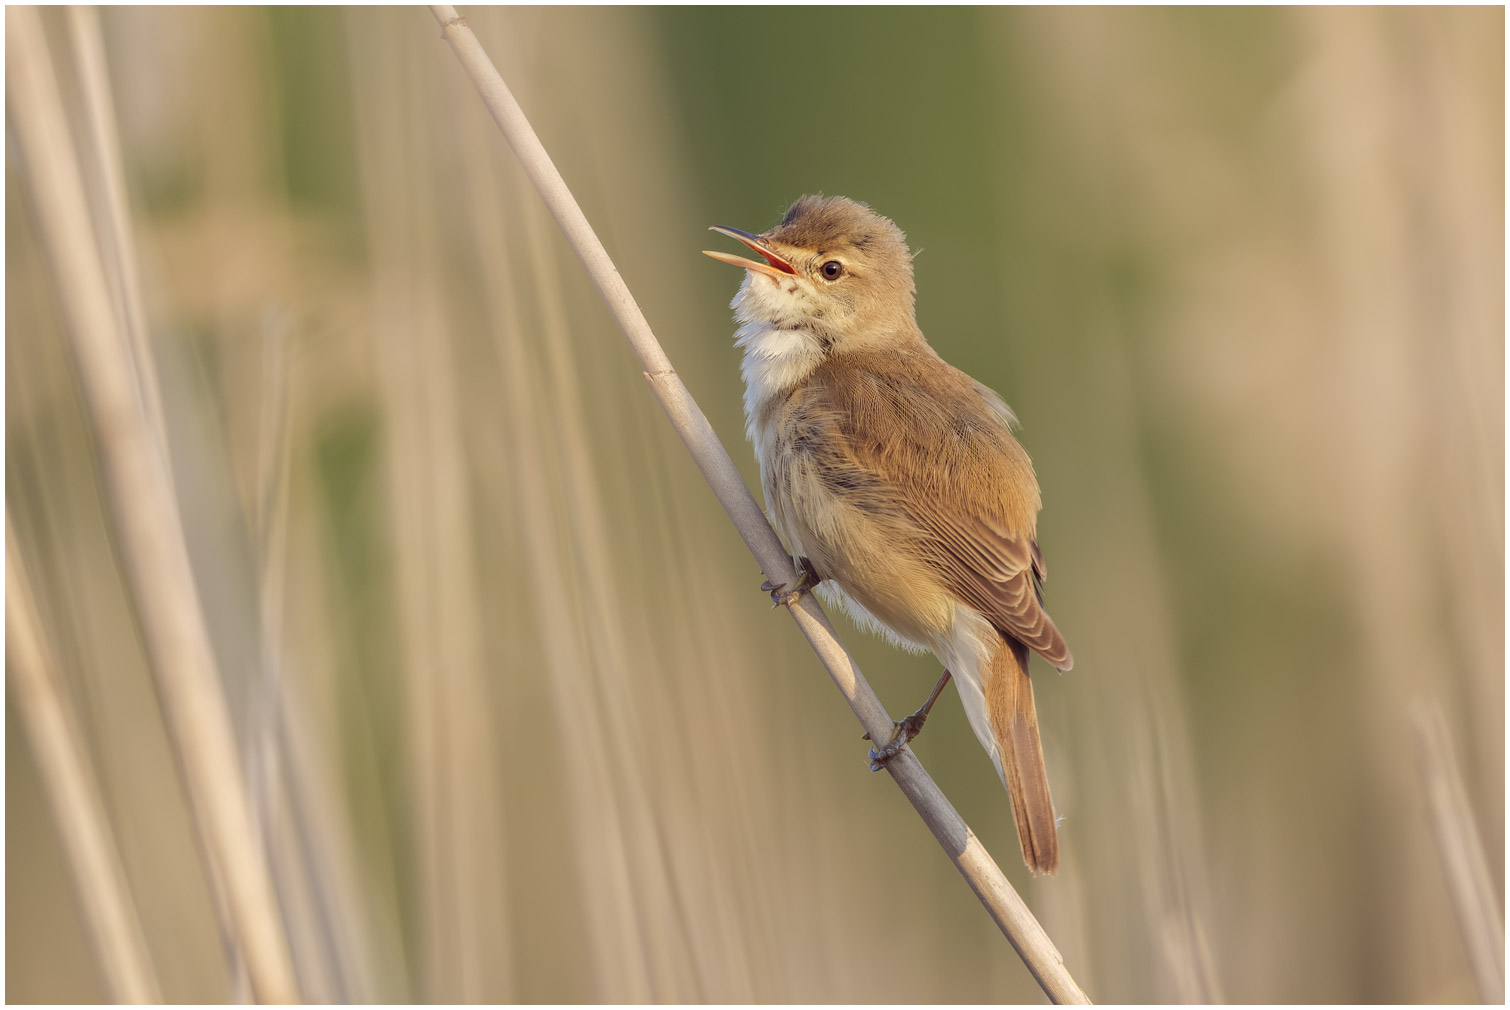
(109, 183)
(460, 831)
(264, 731)
(109, 913)
(1469, 884)
(970, 857)
(143, 511)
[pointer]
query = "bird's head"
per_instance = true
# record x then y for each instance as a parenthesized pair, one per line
(833, 268)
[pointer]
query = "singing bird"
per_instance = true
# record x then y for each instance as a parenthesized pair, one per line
(896, 482)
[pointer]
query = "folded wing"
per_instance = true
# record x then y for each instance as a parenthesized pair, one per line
(964, 483)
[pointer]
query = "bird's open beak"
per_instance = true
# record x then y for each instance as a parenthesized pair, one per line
(774, 265)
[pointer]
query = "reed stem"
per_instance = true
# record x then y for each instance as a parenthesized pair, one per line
(1464, 864)
(109, 913)
(143, 512)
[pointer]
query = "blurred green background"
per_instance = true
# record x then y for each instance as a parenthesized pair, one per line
(535, 734)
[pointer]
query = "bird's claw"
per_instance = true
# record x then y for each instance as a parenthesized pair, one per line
(906, 729)
(788, 593)
(779, 593)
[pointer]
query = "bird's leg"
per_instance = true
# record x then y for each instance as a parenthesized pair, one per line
(906, 729)
(791, 592)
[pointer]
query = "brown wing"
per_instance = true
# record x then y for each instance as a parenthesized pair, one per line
(993, 571)
(964, 482)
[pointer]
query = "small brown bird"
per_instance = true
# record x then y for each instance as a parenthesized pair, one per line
(895, 480)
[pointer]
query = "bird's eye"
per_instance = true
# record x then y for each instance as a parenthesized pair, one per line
(833, 270)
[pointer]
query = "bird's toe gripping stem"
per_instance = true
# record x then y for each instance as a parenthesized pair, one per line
(906, 729)
(789, 593)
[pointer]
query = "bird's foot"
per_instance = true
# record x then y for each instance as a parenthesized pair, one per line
(905, 730)
(788, 593)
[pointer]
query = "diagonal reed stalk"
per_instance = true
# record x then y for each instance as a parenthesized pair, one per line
(143, 510)
(970, 857)
(109, 914)
(1470, 886)
(109, 181)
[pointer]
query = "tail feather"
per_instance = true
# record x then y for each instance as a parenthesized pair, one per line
(1014, 723)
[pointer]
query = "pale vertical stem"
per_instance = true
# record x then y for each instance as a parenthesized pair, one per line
(294, 832)
(264, 728)
(617, 944)
(99, 878)
(970, 857)
(459, 833)
(620, 700)
(264, 731)
(1392, 463)
(604, 765)
(109, 180)
(1469, 884)
(143, 512)
(426, 685)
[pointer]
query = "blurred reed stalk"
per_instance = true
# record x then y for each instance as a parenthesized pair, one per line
(140, 502)
(109, 913)
(1137, 712)
(109, 203)
(452, 747)
(1325, 302)
(1469, 885)
(637, 943)
(974, 863)
(292, 799)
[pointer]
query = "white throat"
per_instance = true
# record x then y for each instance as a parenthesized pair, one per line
(775, 360)
(780, 352)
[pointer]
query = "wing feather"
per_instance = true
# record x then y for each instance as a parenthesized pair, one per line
(962, 481)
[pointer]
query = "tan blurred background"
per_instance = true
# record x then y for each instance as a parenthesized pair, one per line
(517, 722)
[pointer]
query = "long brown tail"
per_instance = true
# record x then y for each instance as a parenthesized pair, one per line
(1014, 721)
